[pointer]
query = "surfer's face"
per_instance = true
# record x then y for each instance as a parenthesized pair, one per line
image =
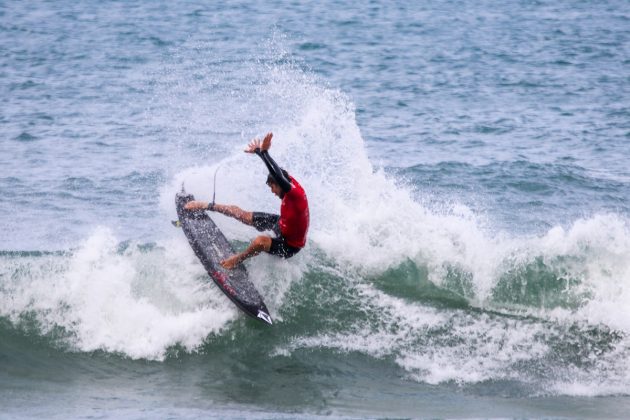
(275, 188)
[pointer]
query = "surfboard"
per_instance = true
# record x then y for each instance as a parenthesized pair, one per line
(211, 247)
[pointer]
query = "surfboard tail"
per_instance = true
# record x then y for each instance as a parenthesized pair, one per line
(211, 246)
(264, 316)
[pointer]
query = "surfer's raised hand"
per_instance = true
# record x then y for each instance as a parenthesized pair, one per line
(266, 143)
(260, 145)
(252, 146)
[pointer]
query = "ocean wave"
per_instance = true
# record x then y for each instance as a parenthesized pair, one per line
(553, 320)
(436, 292)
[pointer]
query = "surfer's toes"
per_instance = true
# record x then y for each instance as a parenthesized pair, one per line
(229, 263)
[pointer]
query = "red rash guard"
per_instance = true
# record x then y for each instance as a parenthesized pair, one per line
(294, 215)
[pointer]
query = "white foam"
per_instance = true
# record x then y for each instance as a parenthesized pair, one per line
(135, 303)
(434, 346)
(601, 248)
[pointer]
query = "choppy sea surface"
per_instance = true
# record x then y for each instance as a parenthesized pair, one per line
(466, 165)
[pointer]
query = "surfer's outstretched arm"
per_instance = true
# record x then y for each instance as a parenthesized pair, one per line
(261, 148)
(275, 171)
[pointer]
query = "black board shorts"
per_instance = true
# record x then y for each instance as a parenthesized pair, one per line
(279, 246)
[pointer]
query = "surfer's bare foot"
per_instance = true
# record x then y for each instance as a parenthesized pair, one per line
(230, 263)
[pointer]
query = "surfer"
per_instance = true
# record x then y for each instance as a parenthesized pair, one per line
(290, 227)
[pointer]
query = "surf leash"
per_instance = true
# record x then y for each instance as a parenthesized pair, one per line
(178, 223)
(214, 185)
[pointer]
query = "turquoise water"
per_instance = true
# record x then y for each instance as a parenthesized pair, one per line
(466, 166)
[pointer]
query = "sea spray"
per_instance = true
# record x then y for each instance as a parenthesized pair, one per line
(529, 293)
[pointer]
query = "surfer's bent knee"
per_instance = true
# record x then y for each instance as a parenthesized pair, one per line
(262, 242)
(280, 248)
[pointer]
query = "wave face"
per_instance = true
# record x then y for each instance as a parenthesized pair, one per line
(549, 314)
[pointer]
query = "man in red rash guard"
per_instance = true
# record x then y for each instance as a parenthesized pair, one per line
(290, 226)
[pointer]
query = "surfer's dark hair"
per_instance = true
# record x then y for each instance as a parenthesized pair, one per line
(271, 178)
